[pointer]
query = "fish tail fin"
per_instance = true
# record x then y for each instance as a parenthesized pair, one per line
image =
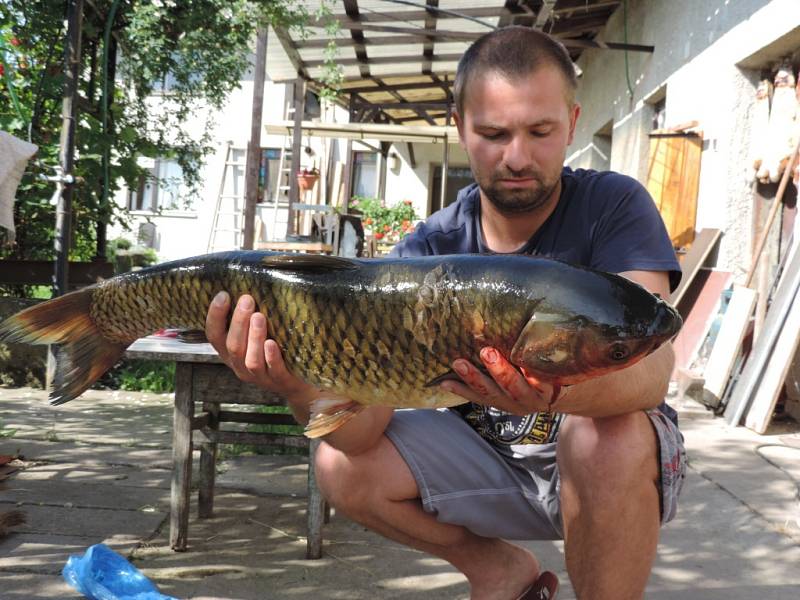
(328, 414)
(83, 354)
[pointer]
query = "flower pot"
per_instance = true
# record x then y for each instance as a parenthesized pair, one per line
(306, 181)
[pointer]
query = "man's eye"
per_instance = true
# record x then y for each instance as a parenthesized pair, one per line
(540, 133)
(492, 136)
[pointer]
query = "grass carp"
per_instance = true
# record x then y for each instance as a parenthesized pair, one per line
(376, 331)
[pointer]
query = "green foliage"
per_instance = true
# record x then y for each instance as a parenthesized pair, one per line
(390, 223)
(191, 52)
(141, 376)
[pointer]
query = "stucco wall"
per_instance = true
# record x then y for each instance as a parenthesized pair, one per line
(701, 60)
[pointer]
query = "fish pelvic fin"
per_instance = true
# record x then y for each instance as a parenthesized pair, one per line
(82, 353)
(328, 414)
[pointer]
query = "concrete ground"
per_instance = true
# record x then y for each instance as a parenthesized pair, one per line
(98, 470)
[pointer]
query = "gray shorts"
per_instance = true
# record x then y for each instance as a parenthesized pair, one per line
(465, 481)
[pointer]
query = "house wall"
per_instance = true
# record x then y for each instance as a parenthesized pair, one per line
(704, 65)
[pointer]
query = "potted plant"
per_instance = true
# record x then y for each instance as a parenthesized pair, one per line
(307, 177)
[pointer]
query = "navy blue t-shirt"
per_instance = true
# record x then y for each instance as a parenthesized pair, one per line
(603, 220)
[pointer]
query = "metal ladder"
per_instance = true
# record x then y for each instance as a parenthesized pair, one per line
(236, 212)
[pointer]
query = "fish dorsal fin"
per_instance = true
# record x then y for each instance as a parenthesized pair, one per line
(315, 263)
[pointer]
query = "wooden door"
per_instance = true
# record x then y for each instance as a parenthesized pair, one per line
(673, 177)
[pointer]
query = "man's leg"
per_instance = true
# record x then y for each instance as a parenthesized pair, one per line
(378, 490)
(610, 504)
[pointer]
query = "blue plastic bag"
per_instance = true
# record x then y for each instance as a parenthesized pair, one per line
(102, 574)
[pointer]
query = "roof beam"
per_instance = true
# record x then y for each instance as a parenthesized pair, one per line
(409, 15)
(291, 51)
(387, 60)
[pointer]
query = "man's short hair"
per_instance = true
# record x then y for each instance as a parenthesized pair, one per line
(512, 52)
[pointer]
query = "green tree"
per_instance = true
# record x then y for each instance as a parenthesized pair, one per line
(130, 48)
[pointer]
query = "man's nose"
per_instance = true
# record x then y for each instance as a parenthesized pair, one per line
(517, 156)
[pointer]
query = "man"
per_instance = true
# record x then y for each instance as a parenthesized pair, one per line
(603, 471)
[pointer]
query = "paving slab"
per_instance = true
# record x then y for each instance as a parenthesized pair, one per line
(265, 475)
(85, 453)
(28, 586)
(734, 536)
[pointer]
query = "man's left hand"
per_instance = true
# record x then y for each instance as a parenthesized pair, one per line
(506, 389)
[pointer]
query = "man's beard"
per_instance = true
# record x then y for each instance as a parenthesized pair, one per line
(517, 200)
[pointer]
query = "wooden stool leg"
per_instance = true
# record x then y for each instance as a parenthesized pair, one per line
(208, 465)
(182, 416)
(315, 507)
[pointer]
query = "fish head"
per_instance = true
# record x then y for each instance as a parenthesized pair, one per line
(566, 347)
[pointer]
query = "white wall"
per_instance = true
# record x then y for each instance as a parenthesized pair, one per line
(700, 52)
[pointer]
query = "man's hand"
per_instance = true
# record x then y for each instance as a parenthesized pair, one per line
(244, 347)
(507, 389)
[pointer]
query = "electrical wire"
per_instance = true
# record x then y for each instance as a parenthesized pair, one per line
(625, 33)
(444, 11)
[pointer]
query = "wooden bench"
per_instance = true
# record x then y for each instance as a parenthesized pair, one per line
(204, 387)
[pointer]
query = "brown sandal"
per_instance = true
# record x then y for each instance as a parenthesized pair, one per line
(545, 588)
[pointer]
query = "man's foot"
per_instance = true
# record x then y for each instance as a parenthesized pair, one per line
(545, 588)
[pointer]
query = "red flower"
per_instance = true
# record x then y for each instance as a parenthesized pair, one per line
(407, 202)
(368, 221)
(378, 236)
(387, 228)
(2, 69)
(15, 41)
(406, 223)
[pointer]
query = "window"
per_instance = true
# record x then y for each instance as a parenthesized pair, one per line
(268, 176)
(457, 178)
(161, 188)
(365, 174)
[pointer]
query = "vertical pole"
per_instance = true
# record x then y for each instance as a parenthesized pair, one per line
(348, 168)
(297, 143)
(254, 145)
(445, 158)
(72, 59)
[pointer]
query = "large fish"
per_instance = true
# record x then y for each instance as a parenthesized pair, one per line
(380, 331)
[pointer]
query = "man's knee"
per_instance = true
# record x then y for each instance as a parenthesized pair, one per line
(335, 474)
(611, 450)
(349, 482)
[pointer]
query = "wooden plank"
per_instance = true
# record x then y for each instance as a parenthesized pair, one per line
(256, 439)
(208, 465)
(40, 272)
(762, 350)
(728, 343)
(694, 260)
(703, 301)
(316, 507)
(255, 418)
(760, 413)
(182, 415)
(295, 246)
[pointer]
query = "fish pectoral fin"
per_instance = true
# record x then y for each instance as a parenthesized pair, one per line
(453, 376)
(319, 263)
(328, 414)
(449, 376)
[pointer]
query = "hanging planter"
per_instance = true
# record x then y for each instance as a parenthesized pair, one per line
(306, 178)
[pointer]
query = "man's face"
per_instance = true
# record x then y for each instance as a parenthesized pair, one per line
(516, 134)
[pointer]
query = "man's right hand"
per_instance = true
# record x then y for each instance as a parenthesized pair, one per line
(244, 347)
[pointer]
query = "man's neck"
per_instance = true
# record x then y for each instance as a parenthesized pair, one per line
(504, 232)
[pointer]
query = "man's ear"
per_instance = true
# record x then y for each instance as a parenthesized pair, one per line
(460, 126)
(573, 120)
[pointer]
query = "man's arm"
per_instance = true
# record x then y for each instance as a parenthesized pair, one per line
(246, 349)
(640, 386)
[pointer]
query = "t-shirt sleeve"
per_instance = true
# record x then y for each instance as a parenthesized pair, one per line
(630, 234)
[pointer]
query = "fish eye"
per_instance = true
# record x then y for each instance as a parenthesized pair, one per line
(619, 352)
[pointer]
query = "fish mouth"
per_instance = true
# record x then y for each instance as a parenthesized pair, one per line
(666, 324)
